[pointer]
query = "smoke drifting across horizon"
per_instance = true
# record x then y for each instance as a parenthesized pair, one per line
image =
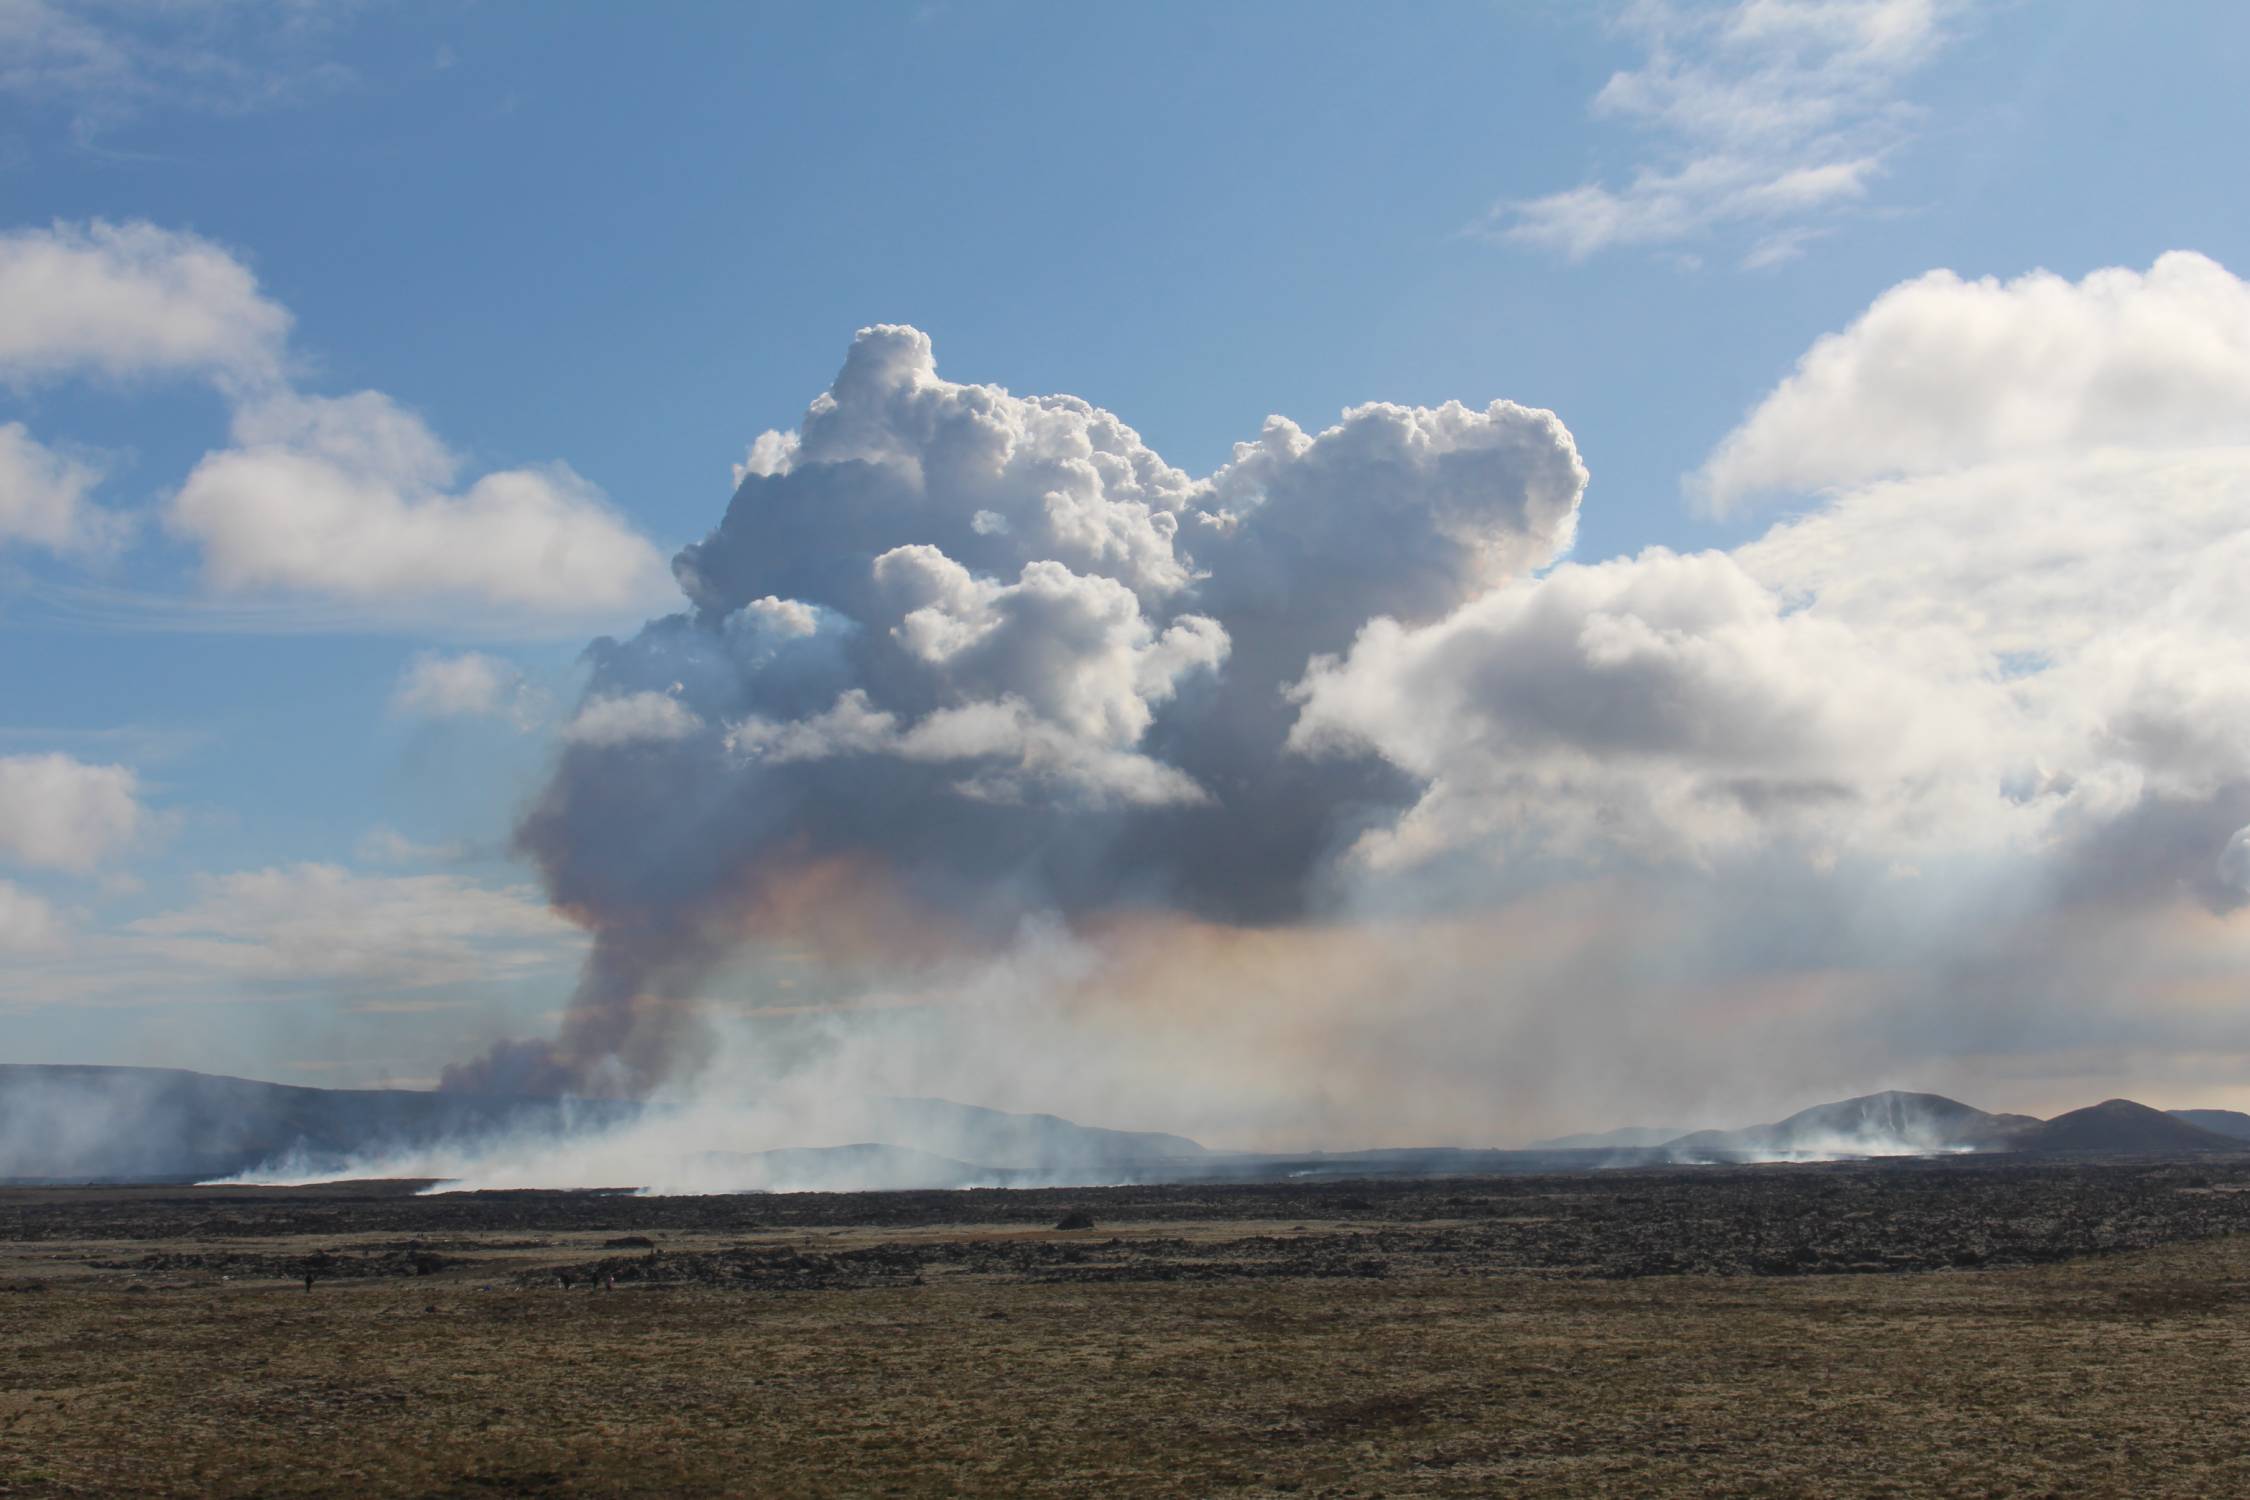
(1324, 784)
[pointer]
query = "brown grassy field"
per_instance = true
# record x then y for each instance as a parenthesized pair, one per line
(942, 1359)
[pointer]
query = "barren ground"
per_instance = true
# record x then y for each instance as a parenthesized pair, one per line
(1954, 1329)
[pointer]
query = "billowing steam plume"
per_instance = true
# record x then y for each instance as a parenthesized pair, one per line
(1336, 783)
(956, 655)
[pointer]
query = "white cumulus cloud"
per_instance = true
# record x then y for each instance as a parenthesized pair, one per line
(58, 812)
(124, 300)
(43, 497)
(2011, 631)
(1663, 704)
(353, 498)
(605, 722)
(1074, 648)
(29, 923)
(1943, 373)
(350, 503)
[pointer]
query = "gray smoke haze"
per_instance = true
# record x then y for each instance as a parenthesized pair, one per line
(1337, 804)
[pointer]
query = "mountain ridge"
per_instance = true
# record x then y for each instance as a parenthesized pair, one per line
(91, 1123)
(66, 1122)
(2232, 1123)
(1899, 1123)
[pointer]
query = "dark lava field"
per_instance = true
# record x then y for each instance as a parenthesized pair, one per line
(1745, 1221)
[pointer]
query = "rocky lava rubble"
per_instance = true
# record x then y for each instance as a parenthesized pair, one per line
(1753, 1222)
(1749, 1221)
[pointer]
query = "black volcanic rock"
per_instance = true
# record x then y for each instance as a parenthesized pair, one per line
(1891, 1123)
(2119, 1127)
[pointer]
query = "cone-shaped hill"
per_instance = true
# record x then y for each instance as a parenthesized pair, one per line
(1892, 1123)
(2119, 1127)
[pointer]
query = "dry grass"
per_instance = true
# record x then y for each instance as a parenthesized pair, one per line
(2114, 1376)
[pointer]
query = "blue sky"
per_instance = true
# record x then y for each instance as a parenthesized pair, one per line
(628, 243)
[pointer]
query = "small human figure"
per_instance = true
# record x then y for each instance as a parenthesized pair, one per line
(308, 1282)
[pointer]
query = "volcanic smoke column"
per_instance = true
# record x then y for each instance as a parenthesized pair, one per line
(955, 655)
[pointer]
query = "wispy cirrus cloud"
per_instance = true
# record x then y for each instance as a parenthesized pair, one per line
(324, 924)
(98, 66)
(1765, 117)
(385, 845)
(411, 942)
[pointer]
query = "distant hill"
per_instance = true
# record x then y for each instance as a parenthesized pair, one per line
(2231, 1123)
(167, 1124)
(1891, 1123)
(991, 1138)
(1626, 1138)
(862, 1168)
(2120, 1127)
(1903, 1124)
(81, 1124)
(99, 1124)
